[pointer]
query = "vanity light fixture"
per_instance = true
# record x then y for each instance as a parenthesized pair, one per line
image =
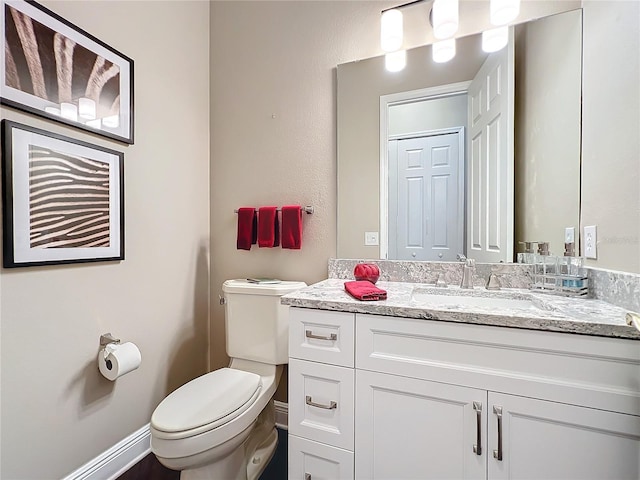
(444, 50)
(503, 11)
(495, 39)
(395, 61)
(391, 30)
(445, 18)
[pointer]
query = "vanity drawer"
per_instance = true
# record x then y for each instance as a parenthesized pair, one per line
(322, 336)
(321, 400)
(310, 460)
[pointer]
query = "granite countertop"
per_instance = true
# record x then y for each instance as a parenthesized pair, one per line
(538, 312)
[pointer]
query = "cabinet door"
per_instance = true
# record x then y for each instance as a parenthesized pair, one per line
(310, 460)
(416, 429)
(553, 441)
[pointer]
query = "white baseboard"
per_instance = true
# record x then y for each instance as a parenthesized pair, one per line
(112, 463)
(282, 414)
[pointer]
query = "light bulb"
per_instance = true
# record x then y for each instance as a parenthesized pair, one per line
(86, 108)
(445, 18)
(112, 121)
(69, 110)
(391, 30)
(395, 61)
(503, 11)
(52, 110)
(97, 124)
(444, 50)
(495, 39)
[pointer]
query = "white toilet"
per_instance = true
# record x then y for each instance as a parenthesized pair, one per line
(221, 426)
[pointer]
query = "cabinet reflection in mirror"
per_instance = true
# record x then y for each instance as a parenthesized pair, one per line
(470, 156)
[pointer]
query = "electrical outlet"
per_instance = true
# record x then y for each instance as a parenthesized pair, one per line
(590, 242)
(569, 235)
(371, 238)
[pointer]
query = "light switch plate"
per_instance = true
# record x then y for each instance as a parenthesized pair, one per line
(371, 238)
(590, 242)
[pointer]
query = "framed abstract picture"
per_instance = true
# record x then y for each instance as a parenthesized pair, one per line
(51, 68)
(63, 199)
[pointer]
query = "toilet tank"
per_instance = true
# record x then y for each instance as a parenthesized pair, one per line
(257, 325)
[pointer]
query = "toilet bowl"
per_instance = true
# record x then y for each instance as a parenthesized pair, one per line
(221, 425)
(205, 424)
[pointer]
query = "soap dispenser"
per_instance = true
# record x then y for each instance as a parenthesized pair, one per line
(528, 256)
(573, 265)
(545, 267)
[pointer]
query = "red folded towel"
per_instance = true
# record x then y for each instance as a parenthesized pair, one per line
(247, 228)
(364, 290)
(268, 228)
(292, 227)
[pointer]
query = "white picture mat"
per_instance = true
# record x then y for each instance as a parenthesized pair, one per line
(23, 253)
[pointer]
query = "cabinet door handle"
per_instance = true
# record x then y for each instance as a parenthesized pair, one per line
(310, 334)
(497, 454)
(477, 448)
(307, 476)
(309, 401)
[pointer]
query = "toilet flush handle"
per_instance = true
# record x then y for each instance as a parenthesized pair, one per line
(223, 300)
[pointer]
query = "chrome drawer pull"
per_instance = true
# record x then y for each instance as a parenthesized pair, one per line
(307, 476)
(477, 448)
(310, 334)
(309, 401)
(497, 454)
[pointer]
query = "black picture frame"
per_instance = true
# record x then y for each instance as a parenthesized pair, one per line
(54, 69)
(63, 199)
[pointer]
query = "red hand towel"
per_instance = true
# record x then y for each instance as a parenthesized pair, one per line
(268, 228)
(364, 290)
(292, 227)
(247, 228)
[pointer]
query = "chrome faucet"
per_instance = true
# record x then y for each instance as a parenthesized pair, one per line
(468, 269)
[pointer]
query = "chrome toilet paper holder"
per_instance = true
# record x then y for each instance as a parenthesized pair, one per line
(107, 339)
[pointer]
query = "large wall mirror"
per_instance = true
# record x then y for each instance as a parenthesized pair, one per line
(385, 121)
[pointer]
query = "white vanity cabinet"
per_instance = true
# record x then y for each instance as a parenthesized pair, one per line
(437, 400)
(321, 394)
(416, 429)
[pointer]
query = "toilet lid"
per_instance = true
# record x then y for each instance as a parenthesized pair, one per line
(205, 399)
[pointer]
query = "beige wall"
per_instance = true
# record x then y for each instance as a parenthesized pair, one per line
(547, 118)
(57, 411)
(610, 126)
(437, 113)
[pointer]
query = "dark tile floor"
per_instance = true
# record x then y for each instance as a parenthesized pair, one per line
(277, 468)
(150, 469)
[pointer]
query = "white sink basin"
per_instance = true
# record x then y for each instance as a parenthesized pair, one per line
(467, 298)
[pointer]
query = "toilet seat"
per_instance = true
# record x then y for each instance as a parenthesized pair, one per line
(206, 403)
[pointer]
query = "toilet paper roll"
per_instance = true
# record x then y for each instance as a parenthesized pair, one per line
(116, 360)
